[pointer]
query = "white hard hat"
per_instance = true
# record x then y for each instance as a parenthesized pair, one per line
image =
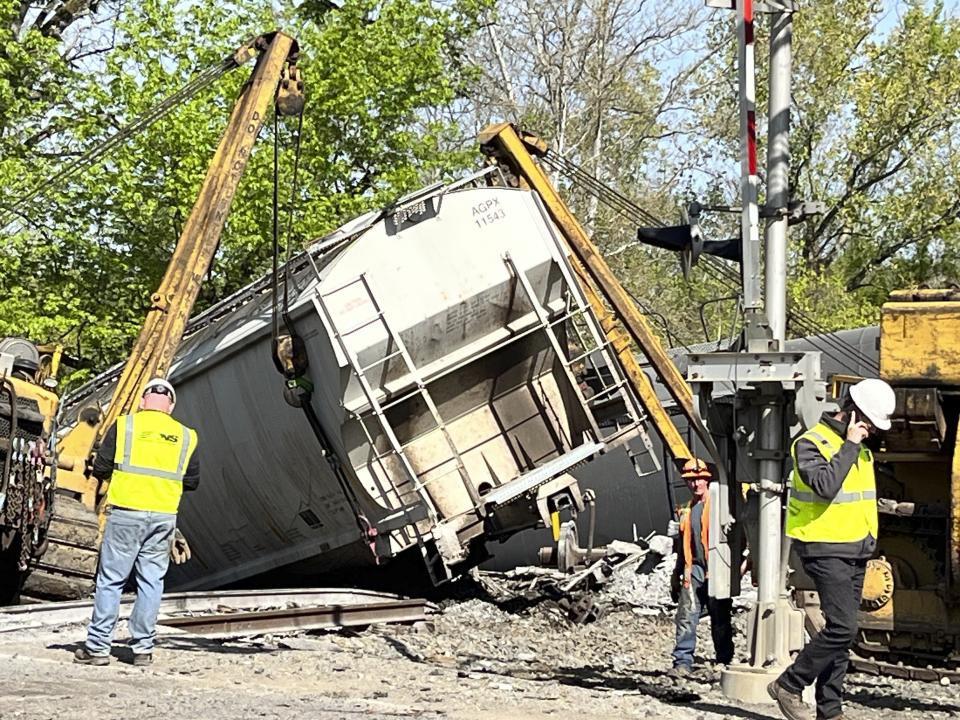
(157, 383)
(875, 399)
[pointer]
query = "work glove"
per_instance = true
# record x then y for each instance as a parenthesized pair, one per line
(673, 528)
(179, 549)
(675, 587)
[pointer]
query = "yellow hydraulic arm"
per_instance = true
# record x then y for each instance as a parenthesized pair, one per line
(514, 149)
(274, 79)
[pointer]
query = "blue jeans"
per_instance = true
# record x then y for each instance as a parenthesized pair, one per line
(693, 600)
(135, 542)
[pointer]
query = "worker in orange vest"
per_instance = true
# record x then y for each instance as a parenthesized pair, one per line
(689, 582)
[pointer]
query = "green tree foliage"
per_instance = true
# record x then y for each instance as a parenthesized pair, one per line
(874, 136)
(81, 267)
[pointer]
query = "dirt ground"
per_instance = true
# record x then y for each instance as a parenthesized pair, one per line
(473, 660)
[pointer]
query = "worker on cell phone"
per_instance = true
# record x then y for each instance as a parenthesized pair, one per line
(832, 520)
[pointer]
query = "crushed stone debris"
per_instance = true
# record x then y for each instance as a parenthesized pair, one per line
(501, 646)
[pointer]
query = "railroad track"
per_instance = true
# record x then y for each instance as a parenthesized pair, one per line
(302, 618)
(332, 607)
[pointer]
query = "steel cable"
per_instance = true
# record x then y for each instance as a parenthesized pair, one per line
(625, 208)
(294, 187)
(91, 156)
(808, 327)
(716, 271)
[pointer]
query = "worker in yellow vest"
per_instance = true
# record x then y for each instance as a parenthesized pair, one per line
(690, 580)
(832, 519)
(150, 459)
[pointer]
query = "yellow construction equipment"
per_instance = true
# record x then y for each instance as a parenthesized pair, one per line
(28, 406)
(63, 561)
(911, 605)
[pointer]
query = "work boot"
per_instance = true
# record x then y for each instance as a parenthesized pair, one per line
(841, 716)
(679, 671)
(142, 659)
(85, 657)
(790, 703)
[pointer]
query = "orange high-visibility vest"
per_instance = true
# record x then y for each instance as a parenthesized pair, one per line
(687, 534)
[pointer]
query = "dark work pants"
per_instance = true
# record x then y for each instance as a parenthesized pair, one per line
(824, 660)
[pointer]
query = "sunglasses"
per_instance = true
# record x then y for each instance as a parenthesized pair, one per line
(157, 390)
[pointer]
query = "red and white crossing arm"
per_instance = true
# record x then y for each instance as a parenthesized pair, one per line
(750, 220)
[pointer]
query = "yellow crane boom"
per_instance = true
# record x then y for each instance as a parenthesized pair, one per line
(274, 79)
(64, 562)
(516, 150)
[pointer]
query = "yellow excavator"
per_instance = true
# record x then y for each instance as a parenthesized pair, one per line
(28, 406)
(49, 521)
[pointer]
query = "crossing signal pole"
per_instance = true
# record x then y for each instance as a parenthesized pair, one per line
(771, 385)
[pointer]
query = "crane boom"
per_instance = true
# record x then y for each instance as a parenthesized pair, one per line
(172, 303)
(515, 149)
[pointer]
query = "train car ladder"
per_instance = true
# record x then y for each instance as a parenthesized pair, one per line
(578, 309)
(378, 410)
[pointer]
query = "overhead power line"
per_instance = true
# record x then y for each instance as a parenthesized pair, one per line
(27, 195)
(849, 357)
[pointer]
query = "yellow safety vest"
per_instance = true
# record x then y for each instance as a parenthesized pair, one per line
(851, 515)
(153, 451)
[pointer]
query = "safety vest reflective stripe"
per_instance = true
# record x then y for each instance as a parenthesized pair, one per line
(817, 437)
(848, 517)
(152, 456)
(126, 466)
(686, 532)
(839, 499)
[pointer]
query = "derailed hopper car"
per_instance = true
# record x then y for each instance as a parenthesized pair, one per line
(445, 338)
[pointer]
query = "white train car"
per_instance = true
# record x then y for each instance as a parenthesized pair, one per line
(446, 338)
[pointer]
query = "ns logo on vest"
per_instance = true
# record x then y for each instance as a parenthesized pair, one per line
(153, 451)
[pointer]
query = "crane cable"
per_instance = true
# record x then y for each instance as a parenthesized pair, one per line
(828, 344)
(365, 527)
(9, 213)
(599, 189)
(290, 221)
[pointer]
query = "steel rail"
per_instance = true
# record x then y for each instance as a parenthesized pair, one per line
(18, 618)
(301, 618)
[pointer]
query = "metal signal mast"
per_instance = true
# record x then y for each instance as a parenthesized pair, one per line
(774, 389)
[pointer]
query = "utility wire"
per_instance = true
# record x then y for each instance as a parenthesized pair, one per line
(842, 358)
(206, 78)
(831, 346)
(809, 327)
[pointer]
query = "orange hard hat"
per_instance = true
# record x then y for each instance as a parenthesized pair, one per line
(695, 469)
